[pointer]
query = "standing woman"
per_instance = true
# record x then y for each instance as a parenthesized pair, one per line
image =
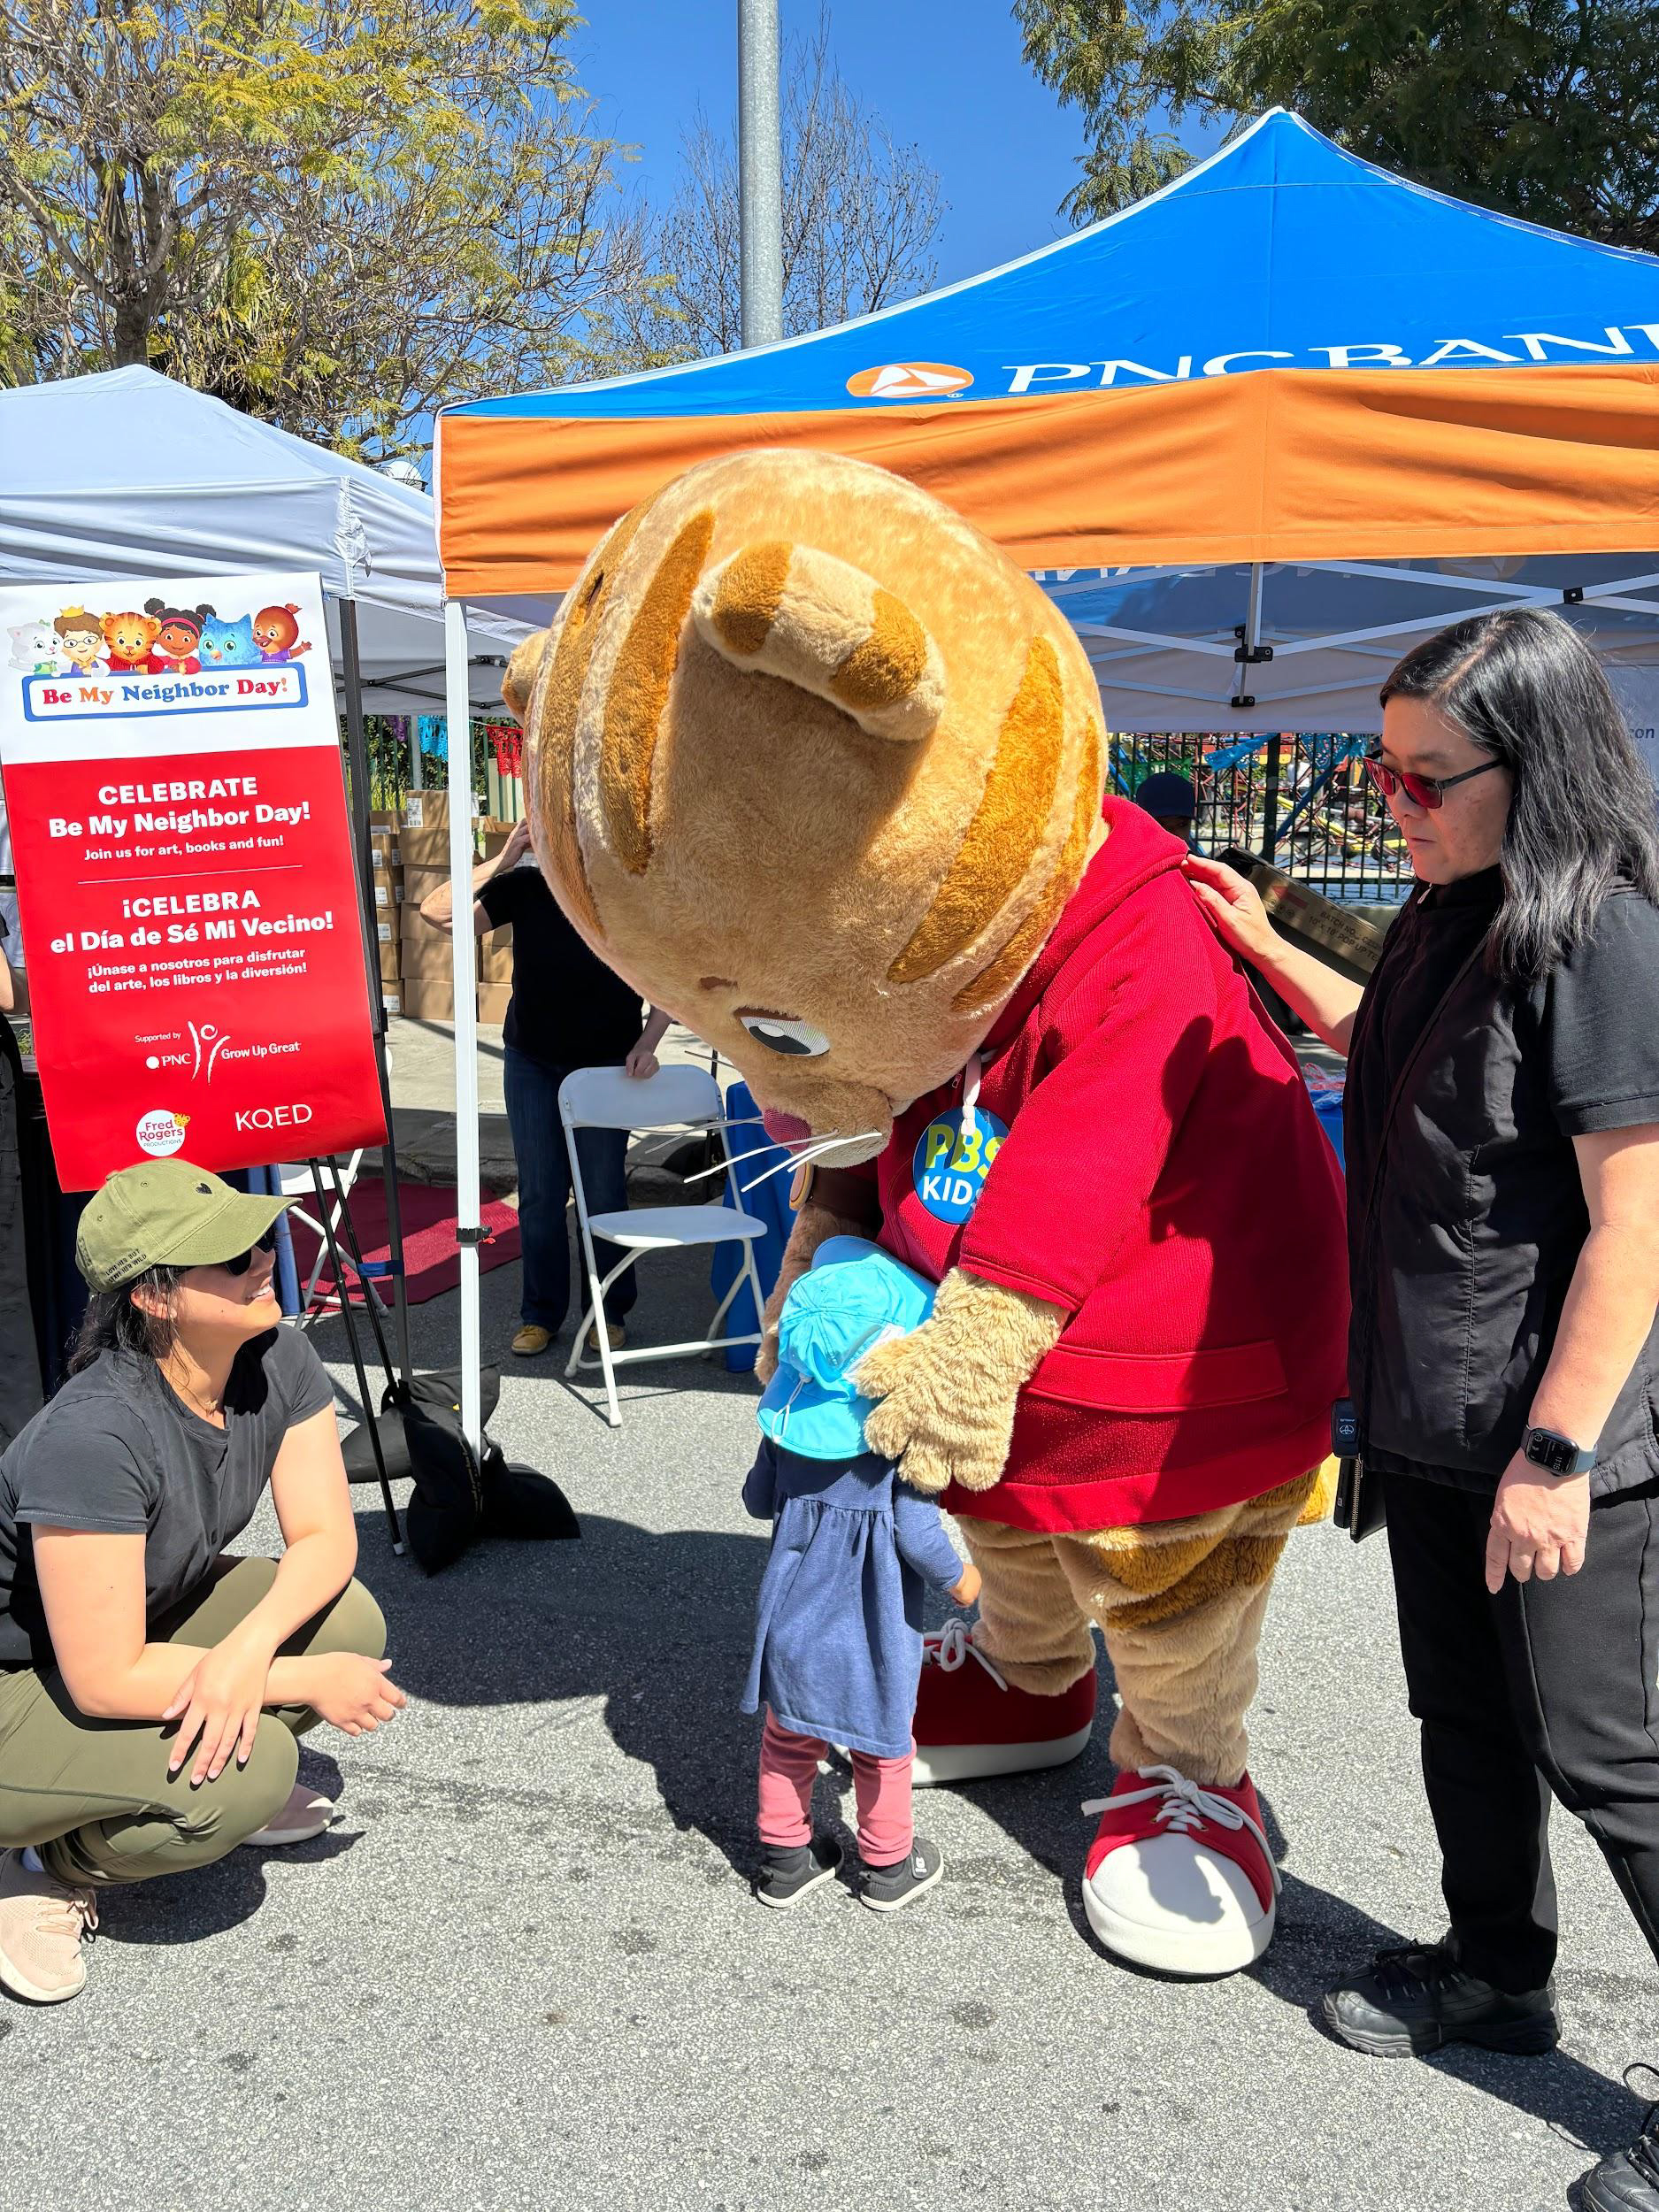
(1502, 1142)
(151, 1688)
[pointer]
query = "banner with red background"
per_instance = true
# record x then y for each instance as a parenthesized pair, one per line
(173, 779)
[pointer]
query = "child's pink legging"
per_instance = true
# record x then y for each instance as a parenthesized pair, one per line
(788, 1768)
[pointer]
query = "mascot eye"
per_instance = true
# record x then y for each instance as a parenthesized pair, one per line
(799, 1040)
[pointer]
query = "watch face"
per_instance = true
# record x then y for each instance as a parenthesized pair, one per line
(1554, 1454)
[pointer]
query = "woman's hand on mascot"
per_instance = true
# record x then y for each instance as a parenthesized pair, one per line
(1232, 907)
(947, 1392)
(1540, 1525)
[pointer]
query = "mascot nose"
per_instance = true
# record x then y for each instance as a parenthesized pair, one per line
(785, 1128)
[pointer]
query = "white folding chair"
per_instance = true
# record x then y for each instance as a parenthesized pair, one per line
(675, 1097)
(294, 1178)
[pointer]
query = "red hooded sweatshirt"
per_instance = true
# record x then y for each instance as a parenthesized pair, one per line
(1142, 1154)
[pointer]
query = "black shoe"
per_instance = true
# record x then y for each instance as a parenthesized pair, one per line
(787, 1874)
(1418, 1998)
(1626, 2181)
(887, 1888)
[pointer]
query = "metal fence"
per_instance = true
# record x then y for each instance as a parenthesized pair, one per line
(1303, 802)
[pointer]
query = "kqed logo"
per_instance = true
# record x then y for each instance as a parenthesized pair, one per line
(909, 380)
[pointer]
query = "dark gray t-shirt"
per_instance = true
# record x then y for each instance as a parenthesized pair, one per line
(118, 1452)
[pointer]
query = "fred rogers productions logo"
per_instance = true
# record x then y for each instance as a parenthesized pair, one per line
(909, 380)
(160, 1133)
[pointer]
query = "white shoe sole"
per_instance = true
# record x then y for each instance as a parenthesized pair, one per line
(21, 1986)
(937, 1765)
(274, 1839)
(1195, 1953)
(799, 1896)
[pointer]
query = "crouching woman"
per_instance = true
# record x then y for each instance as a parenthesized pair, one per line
(152, 1688)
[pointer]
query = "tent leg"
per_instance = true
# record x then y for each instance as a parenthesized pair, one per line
(357, 754)
(343, 1292)
(464, 943)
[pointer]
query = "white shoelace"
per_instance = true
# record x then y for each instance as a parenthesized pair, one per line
(1186, 1806)
(949, 1646)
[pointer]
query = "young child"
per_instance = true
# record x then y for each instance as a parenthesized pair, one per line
(837, 1648)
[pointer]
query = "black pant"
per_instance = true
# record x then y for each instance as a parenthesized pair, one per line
(1549, 1687)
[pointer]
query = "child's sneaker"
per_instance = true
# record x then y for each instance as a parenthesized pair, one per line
(788, 1872)
(887, 1888)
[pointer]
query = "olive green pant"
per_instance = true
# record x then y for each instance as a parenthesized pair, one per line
(95, 1797)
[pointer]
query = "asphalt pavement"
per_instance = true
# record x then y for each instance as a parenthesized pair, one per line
(524, 1969)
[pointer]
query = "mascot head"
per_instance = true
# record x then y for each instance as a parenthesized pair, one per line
(817, 768)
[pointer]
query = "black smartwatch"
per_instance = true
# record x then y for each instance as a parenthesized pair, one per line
(1556, 1454)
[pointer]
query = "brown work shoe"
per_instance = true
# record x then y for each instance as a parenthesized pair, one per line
(616, 1335)
(531, 1340)
(43, 1926)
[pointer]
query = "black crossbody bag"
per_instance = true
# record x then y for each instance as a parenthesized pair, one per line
(1361, 1506)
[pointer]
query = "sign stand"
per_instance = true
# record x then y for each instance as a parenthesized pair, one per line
(342, 1293)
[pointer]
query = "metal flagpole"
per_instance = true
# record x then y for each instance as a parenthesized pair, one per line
(469, 1233)
(760, 172)
(357, 754)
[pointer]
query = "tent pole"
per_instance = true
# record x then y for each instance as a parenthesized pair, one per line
(468, 1232)
(760, 173)
(359, 754)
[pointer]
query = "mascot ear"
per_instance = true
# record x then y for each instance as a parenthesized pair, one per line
(817, 622)
(522, 671)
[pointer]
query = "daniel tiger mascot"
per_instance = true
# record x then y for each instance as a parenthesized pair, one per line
(814, 766)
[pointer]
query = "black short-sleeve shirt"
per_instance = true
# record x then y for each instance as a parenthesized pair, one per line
(567, 1009)
(1466, 1209)
(118, 1452)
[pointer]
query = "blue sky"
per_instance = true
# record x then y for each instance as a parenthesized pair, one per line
(945, 74)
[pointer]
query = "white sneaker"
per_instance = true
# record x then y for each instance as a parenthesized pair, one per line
(43, 1926)
(305, 1815)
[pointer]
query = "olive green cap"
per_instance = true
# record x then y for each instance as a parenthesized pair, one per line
(166, 1213)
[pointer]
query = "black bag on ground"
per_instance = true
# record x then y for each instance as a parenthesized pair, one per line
(459, 1497)
(441, 1390)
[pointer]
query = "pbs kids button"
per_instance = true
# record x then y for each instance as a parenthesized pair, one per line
(951, 1164)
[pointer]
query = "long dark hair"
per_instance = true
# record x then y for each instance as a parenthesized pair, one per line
(114, 1323)
(1523, 684)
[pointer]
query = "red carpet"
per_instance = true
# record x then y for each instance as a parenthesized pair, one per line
(431, 1262)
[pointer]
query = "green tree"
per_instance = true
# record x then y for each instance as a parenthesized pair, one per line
(1545, 109)
(333, 216)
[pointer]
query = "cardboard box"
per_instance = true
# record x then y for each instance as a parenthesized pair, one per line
(391, 962)
(492, 1003)
(428, 955)
(494, 957)
(387, 893)
(392, 998)
(386, 931)
(421, 883)
(426, 999)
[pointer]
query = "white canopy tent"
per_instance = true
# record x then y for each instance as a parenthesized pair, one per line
(127, 472)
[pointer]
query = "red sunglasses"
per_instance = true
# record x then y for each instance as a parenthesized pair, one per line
(1424, 791)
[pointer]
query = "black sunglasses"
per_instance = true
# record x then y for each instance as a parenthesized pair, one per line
(1425, 791)
(243, 1261)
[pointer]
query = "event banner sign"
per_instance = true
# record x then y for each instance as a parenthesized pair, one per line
(188, 906)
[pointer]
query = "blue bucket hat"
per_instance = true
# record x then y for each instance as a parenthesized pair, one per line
(854, 1297)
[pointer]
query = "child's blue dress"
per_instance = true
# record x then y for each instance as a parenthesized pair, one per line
(838, 1645)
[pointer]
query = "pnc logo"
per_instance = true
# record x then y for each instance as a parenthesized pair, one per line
(273, 1116)
(909, 380)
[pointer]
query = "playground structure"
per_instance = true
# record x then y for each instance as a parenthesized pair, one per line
(1303, 801)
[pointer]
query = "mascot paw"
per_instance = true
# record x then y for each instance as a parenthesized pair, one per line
(948, 1392)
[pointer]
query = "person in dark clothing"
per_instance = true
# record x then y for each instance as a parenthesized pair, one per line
(1501, 1126)
(1170, 799)
(567, 1010)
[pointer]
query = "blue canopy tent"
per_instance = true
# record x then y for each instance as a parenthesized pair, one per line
(1254, 434)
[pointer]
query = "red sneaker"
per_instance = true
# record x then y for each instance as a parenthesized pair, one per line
(1181, 1877)
(971, 1723)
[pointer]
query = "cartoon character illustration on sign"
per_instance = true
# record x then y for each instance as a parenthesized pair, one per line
(817, 766)
(228, 644)
(80, 640)
(130, 638)
(275, 632)
(178, 635)
(33, 647)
